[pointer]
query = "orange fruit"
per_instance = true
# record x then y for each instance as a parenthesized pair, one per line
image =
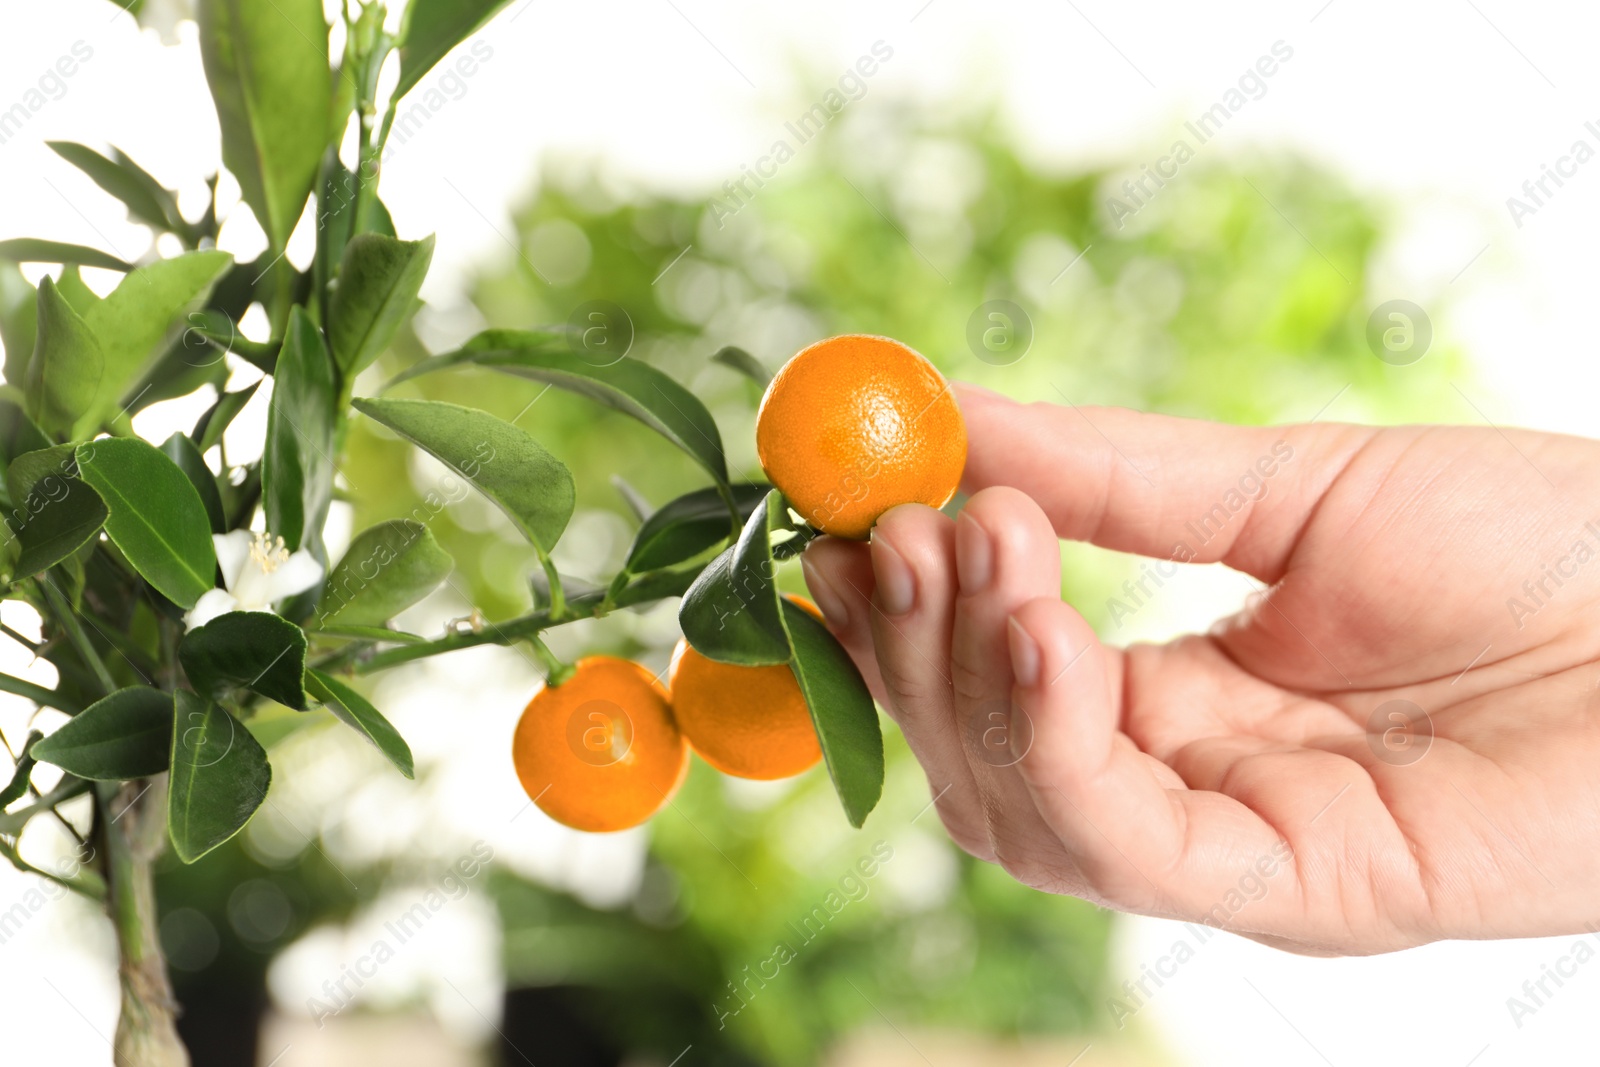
(600, 751)
(750, 722)
(854, 425)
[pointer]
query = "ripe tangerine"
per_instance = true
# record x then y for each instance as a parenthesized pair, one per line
(750, 722)
(855, 425)
(600, 751)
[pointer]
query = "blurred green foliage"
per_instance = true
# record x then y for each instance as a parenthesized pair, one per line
(1241, 292)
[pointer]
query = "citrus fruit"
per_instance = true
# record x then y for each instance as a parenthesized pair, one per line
(854, 425)
(600, 751)
(750, 722)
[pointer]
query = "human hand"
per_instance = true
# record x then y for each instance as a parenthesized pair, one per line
(1257, 777)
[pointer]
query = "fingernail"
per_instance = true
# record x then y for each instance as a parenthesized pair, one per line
(1024, 654)
(897, 586)
(828, 600)
(974, 554)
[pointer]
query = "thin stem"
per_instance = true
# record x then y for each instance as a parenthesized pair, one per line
(31, 646)
(556, 669)
(558, 597)
(91, 888)
(736, 519)
(69, 622)
(592, 605)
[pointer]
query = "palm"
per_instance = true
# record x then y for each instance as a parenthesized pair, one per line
(1389, 641)
(1378, 706)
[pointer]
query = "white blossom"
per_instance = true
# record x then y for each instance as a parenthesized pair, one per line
(257, 571)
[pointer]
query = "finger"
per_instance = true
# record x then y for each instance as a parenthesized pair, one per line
(1142, 845)
(913, 549)
(839, 577)
(1179, 489)
(1006, 555)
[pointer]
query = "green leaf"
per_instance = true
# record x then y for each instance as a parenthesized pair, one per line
(138, 318)
(267, 64)
(253, 650)
(157, 519)
(37, 250)
(731, 613)
(220, 776)
(126, 735)
(18, 434)
(21, 775)
(208, 430)
(379, 278)
(72, 286)
(355, 711)
(183, 452)
(53, 513)
(530, 485)
(297, 464)
(746, 364)
(683, 528)
(841, 710)
(145, 198)
(64, 374)
(431, 28)
(19, 308)
(387, 568)
(631, 387)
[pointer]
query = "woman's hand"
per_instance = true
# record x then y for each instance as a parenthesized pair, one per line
(1398, 741)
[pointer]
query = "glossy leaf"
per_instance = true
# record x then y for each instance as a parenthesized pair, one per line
(22, 773)
(53, 512)
(253, 650)
(19, 305)
(220, 776)
(531, 486)
(387, 568)
(136, 320)
(431, 28)
(683, 528)
(156, 517)
(144, 197)
(297, 464)
(731, 613)
(355, 711)
(842, 711)
(126, 735)
(18, 433)
(78, 294)
(267, 65)
(210, 427)
(379, 278)
(743, 362)
(37, 250)
(183, 452)
(64, 374)
(631, 387)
